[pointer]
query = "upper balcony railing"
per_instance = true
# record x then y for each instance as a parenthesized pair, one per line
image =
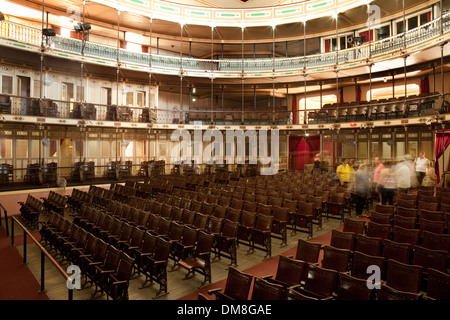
(36, 110)
(225, 67)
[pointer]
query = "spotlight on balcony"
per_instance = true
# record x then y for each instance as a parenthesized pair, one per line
(82, 27)
(2, 16)
(49, 32)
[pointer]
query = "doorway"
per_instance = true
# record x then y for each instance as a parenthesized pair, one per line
(24, 91)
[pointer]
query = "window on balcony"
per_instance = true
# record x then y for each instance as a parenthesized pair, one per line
(7, 84)
(330, 44)
(22, 149)
(130, 99)
(140, 98)
(399, 91)
(313, 103)
(413, 21)
(5, 148)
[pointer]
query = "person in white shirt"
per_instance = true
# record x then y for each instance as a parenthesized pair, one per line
(403, 176)
(421, 167)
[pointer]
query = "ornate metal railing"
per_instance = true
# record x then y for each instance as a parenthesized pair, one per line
(229, 67)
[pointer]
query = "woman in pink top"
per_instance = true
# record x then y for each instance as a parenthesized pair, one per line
(376, 176)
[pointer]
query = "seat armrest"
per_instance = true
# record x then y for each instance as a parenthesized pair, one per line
(214, 291)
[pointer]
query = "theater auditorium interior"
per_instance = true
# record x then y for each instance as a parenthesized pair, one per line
(225, 150)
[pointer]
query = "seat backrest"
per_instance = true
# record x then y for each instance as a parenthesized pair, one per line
(200, 221)
(406, 203)
(188, 217)
(99, 253)
(238, 284)
(321, 281)
(407, 212)
(351, 288)
(162, 250)
(343, 240)
(336, 259)
(264, 290)
(395, 250)
(126, 231)
(388, 293)
(230, 229)
(381, 218)
(403, 277)
(214, 225)
(112, 259)
(280, 214)
(368, 245)
(125, 267)
(435, 259)
(263, 223)
(404, 235)
(148, 243)
(437, 227)
(166, 210)
(432, 215)
(290, 271)
(175, 231)
(355, 226)
(204, 244)
(250, 206)
(248, 219)
(361, 262)
(405, 222)
(305, 208)
(233, 214)
(308, 251)
(430, 206)
(435, 241)
(189, 237)
(136, 237)
(438, 285)
(264, 209)
(377, 230)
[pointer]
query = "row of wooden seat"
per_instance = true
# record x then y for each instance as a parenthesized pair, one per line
(131, 233)
(300, 280)
(30, 211)
(436, 222)
(104, 265)
(388, 109)
(77, 198)
(55, 202)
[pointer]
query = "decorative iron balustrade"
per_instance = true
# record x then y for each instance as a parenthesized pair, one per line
(226, 67)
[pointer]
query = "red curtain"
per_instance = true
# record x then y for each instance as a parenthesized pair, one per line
(442, 142)
(424, 85)
(294, 142)
(327, 45)
(294, 110)
(341, 95)
(314, 143)
(53, 147)
(358, 94)
(301, 150)
(369, 37)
